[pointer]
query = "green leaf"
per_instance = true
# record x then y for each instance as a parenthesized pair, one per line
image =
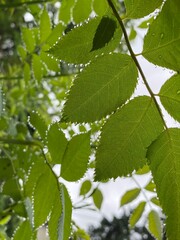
(38, 123)
(6, 170)
(5, 220)
(22, 52)
(65, 10)
(81, 10)
(57, 143)
(85, 187)
(98, 198)
(154, 223)
(145, 169)
(170, 96)
(53, 222)
(129, 196)
(28, 39)
(23, 232)
(108, 90)
(55, 34)
(162, 42)
(51, 63)
(64, 229)
(155, 200)
(76, 46)
(37, 67)
(76, 157)
(100, 7)
(151, 187)
(27, 73)
(125, 138)
(45, 25)
(140, 8)
(137, 213)
(12, 189)
(44, 195)
(163, 155)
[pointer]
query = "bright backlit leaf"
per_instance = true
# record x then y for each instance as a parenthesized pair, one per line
(57, 143)
(77, 45)
(140, 8)
(37, 67)
(170, 96)
(162, 42)
(154, 225)
(129, 196)
(45, 25)
(137, 213)
(134, 126)
(164, 155)
(28, 39)
(114, 80)
(23, 232)
(81, 10)
(76, 157)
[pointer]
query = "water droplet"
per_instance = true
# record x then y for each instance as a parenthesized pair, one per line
(162, 35)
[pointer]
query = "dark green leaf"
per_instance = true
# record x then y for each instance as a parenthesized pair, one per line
(154, 223)
(6, 170)
(76, 46)
(108, 82)
(12, 188)
(125, 138)
(137, 213)
(140, 8)
(57, 143)
(164, 155)
(85, 187)
(98, 198)
(76, 157)
(170, 96)
(162, 42)
(129, 196)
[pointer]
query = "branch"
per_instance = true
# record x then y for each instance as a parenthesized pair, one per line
(135, 59)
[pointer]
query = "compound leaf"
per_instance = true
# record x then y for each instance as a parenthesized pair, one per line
(105, 84)
(125, 138)
(164, 155)
(162, 42)
(170, 96)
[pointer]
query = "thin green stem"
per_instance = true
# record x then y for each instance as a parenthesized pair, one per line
(142, 190)
(21, 142)
(135, 59)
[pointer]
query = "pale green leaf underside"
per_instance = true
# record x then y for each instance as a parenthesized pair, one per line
(57, 143)
(164, 157)
(103, 86)
(154, 225)
(129, 196)
(125, 138)
(162, 42)
(24, 231)
(140, 8)
(137, 213)
(98, 198)
(64, 228)
(170, 96)
(75, 160)
(76, 46)
(44, 195)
